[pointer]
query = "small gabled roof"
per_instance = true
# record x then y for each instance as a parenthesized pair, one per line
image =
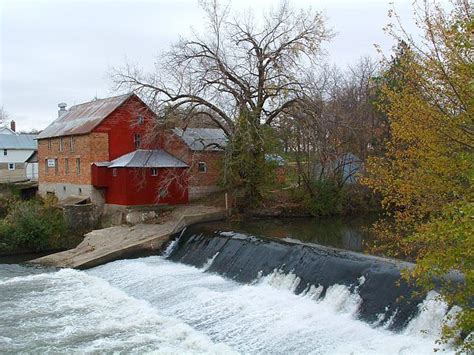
(18, 141)
(83, 118)
(147, 158)
(210, 139)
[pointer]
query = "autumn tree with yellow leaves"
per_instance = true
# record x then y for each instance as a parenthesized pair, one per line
(425, 174)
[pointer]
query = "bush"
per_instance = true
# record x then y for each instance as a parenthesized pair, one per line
(31, 226)
(327, 198)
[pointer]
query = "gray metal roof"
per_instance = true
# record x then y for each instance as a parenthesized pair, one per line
(18, 141)
(143, 158)
(213, 139)
(83, 118)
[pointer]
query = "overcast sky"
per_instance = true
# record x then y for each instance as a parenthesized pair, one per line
(61, 51)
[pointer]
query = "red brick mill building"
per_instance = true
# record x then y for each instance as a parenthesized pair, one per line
(99, 150)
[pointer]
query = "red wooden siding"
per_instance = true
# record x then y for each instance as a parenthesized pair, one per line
(131, 186)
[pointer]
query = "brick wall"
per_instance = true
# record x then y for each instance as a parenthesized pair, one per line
(88, 148)
(198, 181)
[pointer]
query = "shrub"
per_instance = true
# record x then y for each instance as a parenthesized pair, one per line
(326, 199)
(31, 226)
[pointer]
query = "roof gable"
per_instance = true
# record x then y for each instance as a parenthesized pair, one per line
(7, 130)
(83, 118)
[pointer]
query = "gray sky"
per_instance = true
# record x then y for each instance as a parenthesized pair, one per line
(61, 51)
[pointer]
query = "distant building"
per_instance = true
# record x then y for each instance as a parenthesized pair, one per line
(16, 151)
(102, 150)
(345, 167)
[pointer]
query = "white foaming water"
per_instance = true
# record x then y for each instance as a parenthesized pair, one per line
(432, 312)
(152, 304)
(71, 311)
(172, 246)
(265, 317)
(169, 249)
(209, 262)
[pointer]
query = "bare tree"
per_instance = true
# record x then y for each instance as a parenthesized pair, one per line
(241, 63)
(242, 74)
(336, 116)
(4, 116)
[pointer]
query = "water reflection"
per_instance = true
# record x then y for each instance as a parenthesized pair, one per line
(345, 233)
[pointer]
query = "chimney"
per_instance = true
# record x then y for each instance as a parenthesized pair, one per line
(13, 126)
(62, 109)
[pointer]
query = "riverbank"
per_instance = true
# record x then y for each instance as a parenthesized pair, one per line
(124, 241)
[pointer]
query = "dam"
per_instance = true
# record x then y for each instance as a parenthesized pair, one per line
(221, 291)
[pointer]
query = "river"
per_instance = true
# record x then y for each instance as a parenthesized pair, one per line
(157, 305)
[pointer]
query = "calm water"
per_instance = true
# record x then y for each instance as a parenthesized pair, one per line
(344, 233)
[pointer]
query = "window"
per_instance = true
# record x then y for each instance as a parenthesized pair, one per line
(202, 167)
(72, 143)
(140, 120)
(154, 172)
(114, 172)
(56, 166)
(46, 168)
(61, 144)
(137, 140)
(66, 166)
(11, 166)
(78, 166)
(5, 152)
(49, 143)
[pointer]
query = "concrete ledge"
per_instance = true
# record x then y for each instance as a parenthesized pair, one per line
(105, 245)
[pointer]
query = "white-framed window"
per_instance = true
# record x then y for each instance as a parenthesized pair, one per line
(78, 166)
(56, 166)
(66, 166)
(140, 120)
(61, 144)
(137, 140)
(50, 143)
(114, 172)
(11, 166)
(72, 144)
(5, 152)
(202, 167)
(154, 171)
(46, 166)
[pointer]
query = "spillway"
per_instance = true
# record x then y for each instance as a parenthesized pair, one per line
(220, 293)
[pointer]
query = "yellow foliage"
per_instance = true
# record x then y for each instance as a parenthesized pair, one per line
(425, 176)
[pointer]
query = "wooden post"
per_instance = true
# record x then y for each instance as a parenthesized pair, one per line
(226, 205)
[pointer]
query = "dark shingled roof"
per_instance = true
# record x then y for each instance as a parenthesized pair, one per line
(83, 118)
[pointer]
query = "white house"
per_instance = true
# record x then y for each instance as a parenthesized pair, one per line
(17, 155)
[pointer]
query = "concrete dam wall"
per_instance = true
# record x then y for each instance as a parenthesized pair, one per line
(384, 296)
